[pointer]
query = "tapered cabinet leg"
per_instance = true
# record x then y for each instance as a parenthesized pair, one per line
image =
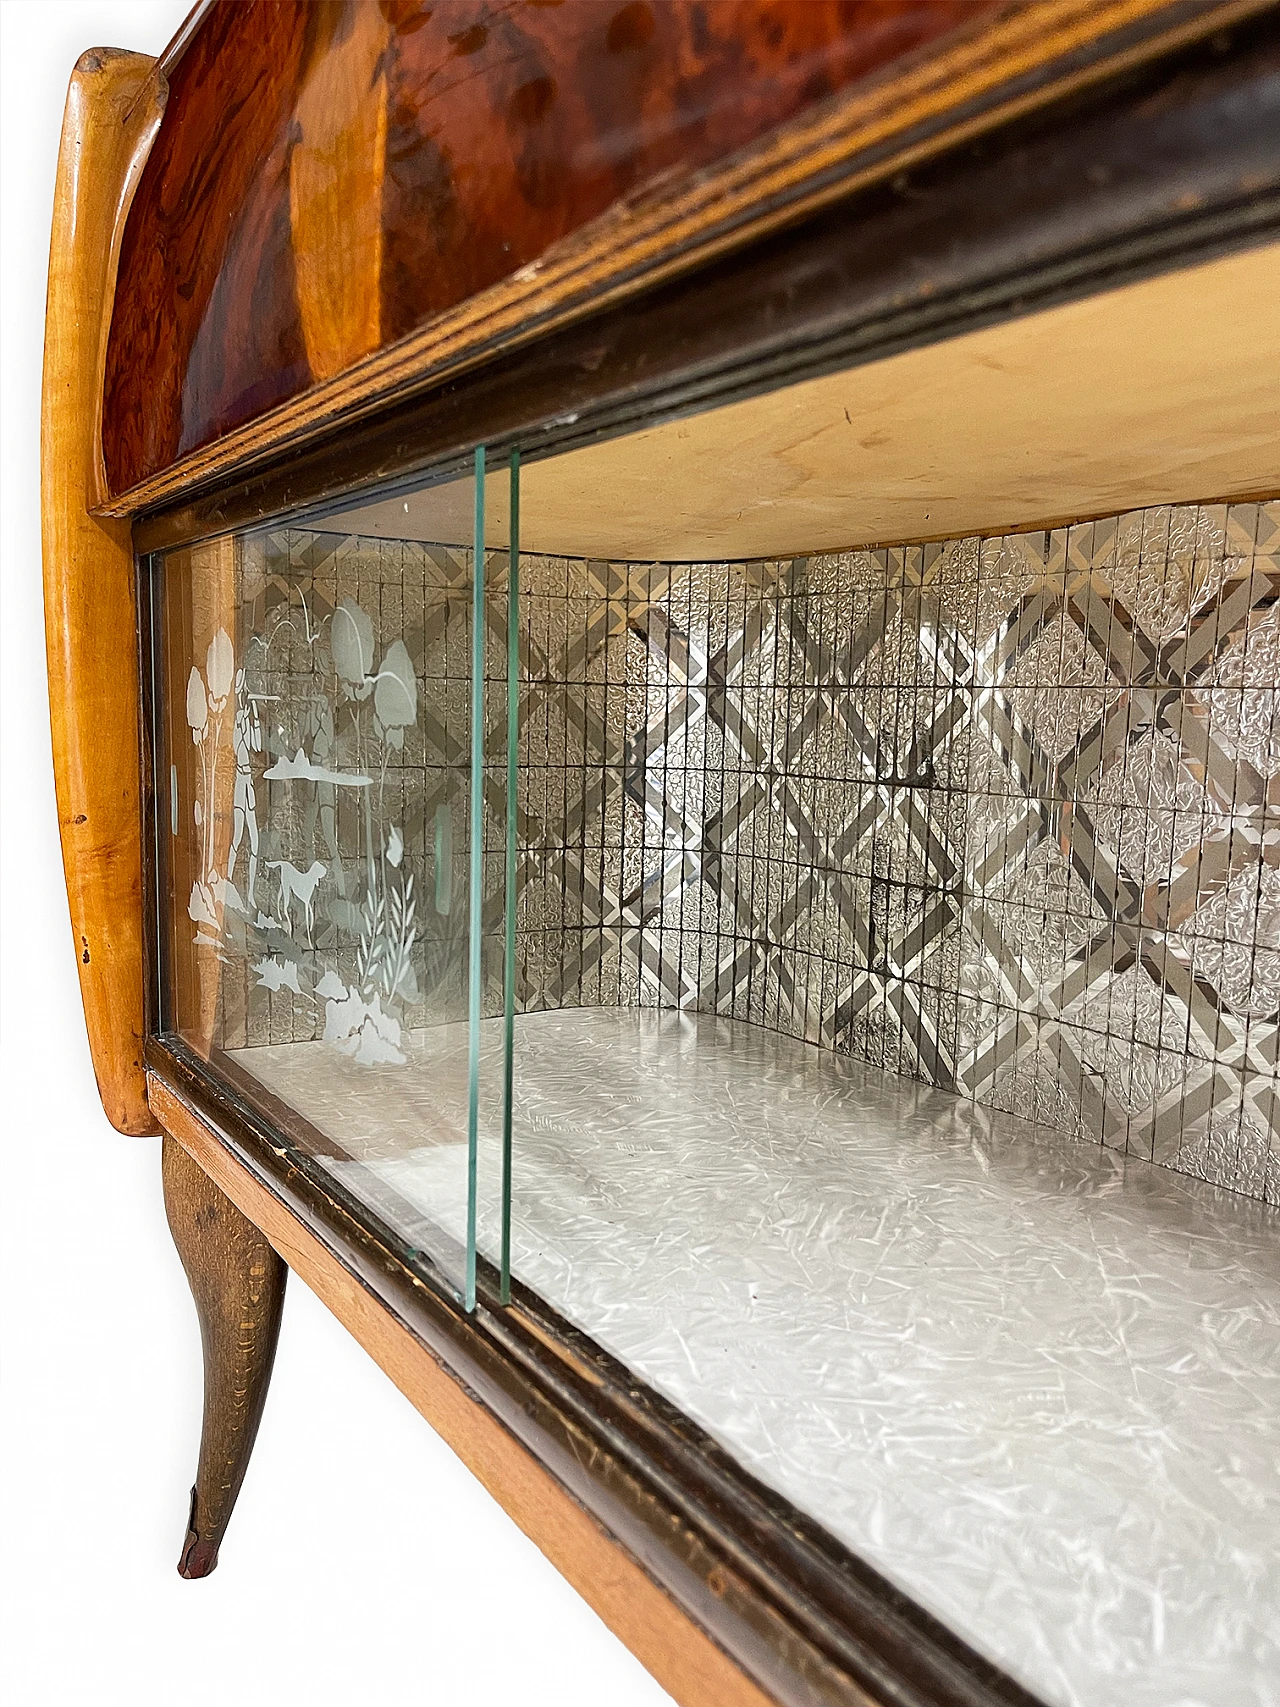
(237, 1281)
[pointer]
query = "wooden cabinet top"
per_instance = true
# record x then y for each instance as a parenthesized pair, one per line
(329, 176)
(342, 183)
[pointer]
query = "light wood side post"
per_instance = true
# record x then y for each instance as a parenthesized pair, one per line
(114, 106)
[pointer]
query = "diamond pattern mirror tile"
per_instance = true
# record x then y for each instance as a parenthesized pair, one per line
(1000, 814)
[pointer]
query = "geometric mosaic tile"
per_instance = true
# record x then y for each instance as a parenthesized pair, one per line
(1000, 814)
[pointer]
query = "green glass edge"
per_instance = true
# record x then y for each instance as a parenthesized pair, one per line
(477, 869)
(509, 882)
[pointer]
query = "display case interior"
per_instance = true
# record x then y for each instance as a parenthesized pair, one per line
(814, 918)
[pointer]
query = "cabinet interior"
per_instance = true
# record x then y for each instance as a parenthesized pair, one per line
(892, 927)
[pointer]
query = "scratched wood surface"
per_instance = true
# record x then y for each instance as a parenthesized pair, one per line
(334, 173)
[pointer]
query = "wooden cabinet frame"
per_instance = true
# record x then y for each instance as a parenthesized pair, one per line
(1072, 146)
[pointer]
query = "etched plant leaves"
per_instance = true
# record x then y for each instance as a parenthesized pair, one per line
(353, 958)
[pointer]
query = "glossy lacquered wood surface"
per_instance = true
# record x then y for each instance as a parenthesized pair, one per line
(113, 109)
(334, 173)
(1025, 56)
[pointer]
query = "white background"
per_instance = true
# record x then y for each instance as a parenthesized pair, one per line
(364, 1565)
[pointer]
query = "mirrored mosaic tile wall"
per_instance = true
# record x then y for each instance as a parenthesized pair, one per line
(1001, 814)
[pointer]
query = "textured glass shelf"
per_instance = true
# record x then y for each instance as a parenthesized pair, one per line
(1035, 1383)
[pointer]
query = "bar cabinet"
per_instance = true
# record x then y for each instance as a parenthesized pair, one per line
(664, 644)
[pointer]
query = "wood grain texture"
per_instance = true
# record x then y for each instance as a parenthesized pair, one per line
(867, 457)
(507, 127)
(677, 1651)
(1033, 51)
(336, 172)
(1177, 163)
(237, 1281)
(113, 111)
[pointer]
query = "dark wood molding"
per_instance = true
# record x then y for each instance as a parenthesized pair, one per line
(1032, 53)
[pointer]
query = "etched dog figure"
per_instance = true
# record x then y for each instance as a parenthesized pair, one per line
(299, 885)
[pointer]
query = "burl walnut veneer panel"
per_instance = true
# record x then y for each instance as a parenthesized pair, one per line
(333, 174)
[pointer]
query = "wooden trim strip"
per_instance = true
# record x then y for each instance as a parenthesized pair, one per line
(1040, 51)
(183, 36)
(675, 1650)
(114, 105)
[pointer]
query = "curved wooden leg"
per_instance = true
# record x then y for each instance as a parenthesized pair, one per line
(237, 1281)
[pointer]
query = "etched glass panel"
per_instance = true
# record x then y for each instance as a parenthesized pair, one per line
(334, 940)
